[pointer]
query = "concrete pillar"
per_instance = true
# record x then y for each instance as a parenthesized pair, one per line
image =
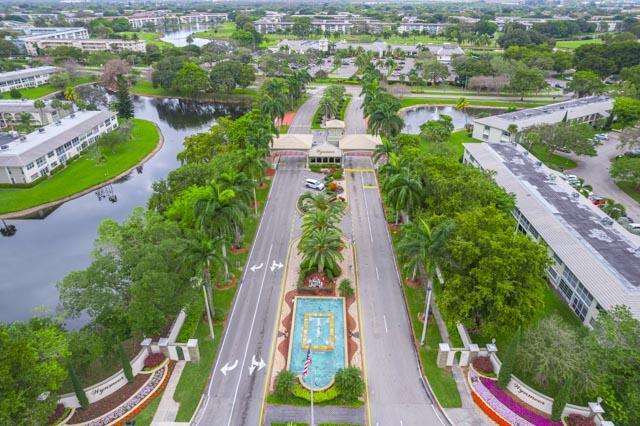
(194, 351)
(163, 344)
(474, 351)
(464, 358)
(146, 343)
(443, 354)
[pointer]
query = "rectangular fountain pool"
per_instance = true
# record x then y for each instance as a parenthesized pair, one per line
(319, 324)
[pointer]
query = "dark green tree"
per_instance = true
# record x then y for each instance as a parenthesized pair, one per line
(123, 99)
(509, 360)
(350, 383)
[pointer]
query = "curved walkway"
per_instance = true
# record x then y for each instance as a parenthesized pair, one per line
(31, 210)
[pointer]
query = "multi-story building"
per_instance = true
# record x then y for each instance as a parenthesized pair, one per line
(28, 77)
(10, 111)
(341, 23)
(34, 46)
(74, 33)
(595, 261)
(32, 156)
(203, 18)
(587, 110)
(432, 28)
(158, 18)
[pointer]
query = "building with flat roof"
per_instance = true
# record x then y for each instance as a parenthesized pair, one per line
(34, 46)
(433, 28)
(10, 111)
(24, 78)
(157, 18)
(32, 156)
(586, 110)
(596, 262)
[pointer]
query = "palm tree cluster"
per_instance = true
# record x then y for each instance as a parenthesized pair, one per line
(330, 104)
(380, 107)
(279, 95)
(321, 239)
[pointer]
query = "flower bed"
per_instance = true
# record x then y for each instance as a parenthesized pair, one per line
(575, 419)
(483, 364)
(153, 360)
(500, 403)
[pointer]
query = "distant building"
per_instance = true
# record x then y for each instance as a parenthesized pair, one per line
(28, 77)
(432, 28)
(341, 23)
(586, 110)
(158, 18)
(35, 46)
(30, 157)
(10, 111)
(596, 262)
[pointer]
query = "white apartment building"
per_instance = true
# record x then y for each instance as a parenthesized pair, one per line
(32, 156)
(342, 23)
(432, 28)
(10, 111)
(203, 18)
(34, 46)
(74, 33)
(586, 110)
(28, 77)
(596, 262)
(159, 18)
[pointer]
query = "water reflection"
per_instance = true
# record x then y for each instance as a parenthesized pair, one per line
(414, 118)
(178, 36)
(41, 252)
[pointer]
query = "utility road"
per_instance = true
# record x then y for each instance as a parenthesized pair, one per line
(397, 395)
(234, 394)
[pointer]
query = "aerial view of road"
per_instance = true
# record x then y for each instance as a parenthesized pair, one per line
(302, 121)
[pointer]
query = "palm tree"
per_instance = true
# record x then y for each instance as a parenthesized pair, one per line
(420, 247)
(189, 40)
(462, 105)
(320, 220)
(404, 190)
(328, 106)
(513, 131)
(58, 106)
(40, 106)
(252, 164)
(383, 150)
(320, 201)
(272, 107)
(321, 249)
(385, 120)
(25, 121)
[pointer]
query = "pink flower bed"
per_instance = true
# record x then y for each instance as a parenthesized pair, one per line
(506, 407)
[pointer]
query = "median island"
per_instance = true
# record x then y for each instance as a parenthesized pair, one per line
(89, 170)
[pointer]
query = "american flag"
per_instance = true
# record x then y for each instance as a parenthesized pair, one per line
(307, 363)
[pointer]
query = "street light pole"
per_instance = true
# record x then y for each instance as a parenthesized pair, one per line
(426, 315)
(206, 302)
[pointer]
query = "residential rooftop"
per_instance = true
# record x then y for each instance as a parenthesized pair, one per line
(601, 253)
(26, 72)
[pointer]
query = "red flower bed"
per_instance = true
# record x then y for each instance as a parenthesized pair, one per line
(153, 360)
(57, 414)
(574, 419)
(483, 364)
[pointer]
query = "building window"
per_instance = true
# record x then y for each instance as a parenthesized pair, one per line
(41, 161)
(566, 291)
(50, 154)
(30, 166)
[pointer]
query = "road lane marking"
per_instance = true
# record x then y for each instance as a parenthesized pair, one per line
(384, 317)
(437, 415)
(366, 208)
(359, 170)
(369, 187)
(233, 309)
(256, 364)
(377, 274)
(246, 348)
(226, 368)
(256, 267)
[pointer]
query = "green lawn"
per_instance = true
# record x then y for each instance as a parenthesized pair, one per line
(196, 375)
(574, 44)
(84, 172)
(407, 102)
(148, 37)
(222, 32)
(631, 190)
(47, 89)
(146, 416)
(553, 161)
(145, 88)
(456, 139)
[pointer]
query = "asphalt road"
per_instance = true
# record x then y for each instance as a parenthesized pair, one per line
(235, 390)
(354, 117)
(302, 120)
(397, 395)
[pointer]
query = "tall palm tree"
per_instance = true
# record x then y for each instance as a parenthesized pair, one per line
(404, 190)
(385, 120)
(513, 132)
(40, 106)
(462, 105)
(252, 164)
(273, 107)
(383, 150)
(420, 247)
(320, 201)
(320, 220)
(321, 249)
(25, 121)
(57, 105)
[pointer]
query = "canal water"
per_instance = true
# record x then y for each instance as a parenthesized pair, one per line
(415, 117)
(44, 250)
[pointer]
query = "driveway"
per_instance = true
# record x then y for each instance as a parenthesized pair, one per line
(595, 171)
(354, 116)
(302, 121)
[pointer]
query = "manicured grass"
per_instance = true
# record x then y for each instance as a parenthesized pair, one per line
(146, 416)
(574, 44)
(47, 89)
(553, 161)
(148, 37)
(407, 102)
(145, 88)
(84, 172)
(456, 139)
(630, 189)
(221, 32)
(195, 376)
(451, 90)
(425, 39)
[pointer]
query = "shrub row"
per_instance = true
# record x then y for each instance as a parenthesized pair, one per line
(318, 396)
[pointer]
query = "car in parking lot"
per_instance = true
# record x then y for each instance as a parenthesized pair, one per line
(632, 153)
(314, 184)
(602, 137)
(635, 226)
(597, 201)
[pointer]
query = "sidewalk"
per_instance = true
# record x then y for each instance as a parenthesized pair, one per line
(168, 408)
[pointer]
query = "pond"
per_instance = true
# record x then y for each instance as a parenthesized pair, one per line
(43, 251)
(415, 117)
(178, 36)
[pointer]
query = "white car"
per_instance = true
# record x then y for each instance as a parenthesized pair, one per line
(314, 184)
(634, 226)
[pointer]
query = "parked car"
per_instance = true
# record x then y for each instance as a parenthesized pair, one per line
(602, 137)
(635, 226)
(314, 184)
(597, 201)
(632, 153)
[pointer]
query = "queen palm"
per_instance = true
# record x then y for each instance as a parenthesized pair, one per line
(383, 150)
(321, 250)
(40, 106)
(328, 106)
(320, 201)
(273, 107)
(243, 186)
(421, 247)
(462, 105)
(385, 121)
(252, 164)
(404, 190)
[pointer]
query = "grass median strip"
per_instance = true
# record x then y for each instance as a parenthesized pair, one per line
(408, 102)
(84, 172)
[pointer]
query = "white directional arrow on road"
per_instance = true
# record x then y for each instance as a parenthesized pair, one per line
(256, 364)
(256, 267)
(226, 368)
(275, 265)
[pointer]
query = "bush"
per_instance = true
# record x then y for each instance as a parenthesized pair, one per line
(285, 384)
(194, 312)
(318, 396)
(78, 389)
(153, 360)
(57, 414)
(337, 175)
(345, 288)
(349, 383)
(509, 360)
(574, 419)
(15, 93)
(483, 364)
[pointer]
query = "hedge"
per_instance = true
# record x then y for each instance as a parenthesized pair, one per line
(318, 396)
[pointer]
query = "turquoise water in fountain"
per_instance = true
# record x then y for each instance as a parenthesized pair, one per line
(325, 331)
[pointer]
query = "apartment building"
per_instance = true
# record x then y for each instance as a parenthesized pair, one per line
(24, 78)
(596, 262)
(32, 156)
(586, 110)
(158, 18)
(432, 28)
(35, 46)
(341, 23)
(10, 111)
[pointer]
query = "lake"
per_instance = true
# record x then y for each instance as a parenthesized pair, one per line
(178, 36)
(415, 117)
(43, 251)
